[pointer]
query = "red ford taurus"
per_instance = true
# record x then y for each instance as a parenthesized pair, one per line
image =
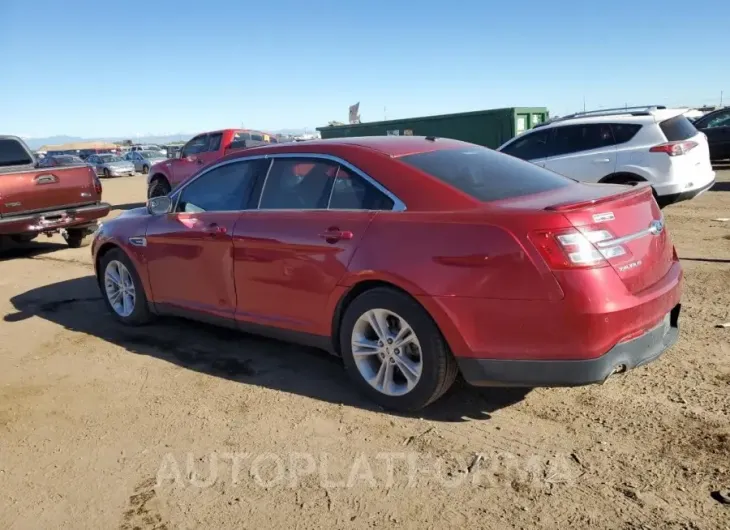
(412, 258)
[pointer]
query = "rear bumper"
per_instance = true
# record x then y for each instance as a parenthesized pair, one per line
(52, 220)
(536, 373)
(671, 196)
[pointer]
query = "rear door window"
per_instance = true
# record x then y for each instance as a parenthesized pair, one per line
(678, 128)
(576, 138)
(352, 192)
(12, 153)
(529, 147)
(721, 120)
(298, 184)
(486, 175)
(623, 132)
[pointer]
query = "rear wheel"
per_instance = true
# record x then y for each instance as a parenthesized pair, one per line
(78, 237)
(122, 289)
(107, 173)
(158, 187)
(394, 351)
(145, 170)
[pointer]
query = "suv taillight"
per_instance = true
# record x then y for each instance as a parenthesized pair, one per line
(674, 148)
(571, 248)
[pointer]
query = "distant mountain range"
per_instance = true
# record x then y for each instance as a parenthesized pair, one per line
(35, 143)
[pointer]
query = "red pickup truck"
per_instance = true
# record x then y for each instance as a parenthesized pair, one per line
(198, 152)
(45, 200)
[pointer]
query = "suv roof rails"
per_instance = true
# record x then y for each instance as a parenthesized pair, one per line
(640, 110)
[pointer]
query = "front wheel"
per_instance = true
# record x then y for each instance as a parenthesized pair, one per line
(122, 289)
(145, 170)
(107, 173)
(394, 351)
(158, 188)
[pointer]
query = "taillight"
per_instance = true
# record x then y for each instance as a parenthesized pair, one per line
(96, 180)
(674, 148)
(571, 248)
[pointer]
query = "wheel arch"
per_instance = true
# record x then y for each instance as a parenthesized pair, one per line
(622, 177)
(439, 318)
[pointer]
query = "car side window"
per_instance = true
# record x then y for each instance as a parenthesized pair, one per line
(723, 120)
(298, 184)
(226, 188)
(623, 132)
(215, 142)
(91, 159)
(530, 147)
(352, 192)
(195, 146)
(576, 138)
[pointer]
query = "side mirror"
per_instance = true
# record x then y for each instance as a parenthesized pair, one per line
(159, 205)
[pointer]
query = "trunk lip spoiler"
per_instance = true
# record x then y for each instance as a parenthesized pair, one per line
(638, 189)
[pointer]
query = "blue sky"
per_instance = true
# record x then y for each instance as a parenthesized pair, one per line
(91, 68)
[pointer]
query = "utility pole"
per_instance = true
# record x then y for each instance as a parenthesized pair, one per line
(721, 98)
(385, 116)
(584, 103)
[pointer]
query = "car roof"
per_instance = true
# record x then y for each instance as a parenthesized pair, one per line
(392, 146)
(653, 116)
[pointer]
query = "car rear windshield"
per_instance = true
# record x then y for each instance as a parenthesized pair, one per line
(678, 128)
(485, 174)
(12, 153)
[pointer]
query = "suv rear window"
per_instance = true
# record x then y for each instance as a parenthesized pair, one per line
(12, 153)
(678, 128)
(623, 132)
(485, 174)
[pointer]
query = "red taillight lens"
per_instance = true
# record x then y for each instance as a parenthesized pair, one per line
(570, 248)
(674, 148)
(97, 182)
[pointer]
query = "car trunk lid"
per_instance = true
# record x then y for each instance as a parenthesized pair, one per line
(627, 228)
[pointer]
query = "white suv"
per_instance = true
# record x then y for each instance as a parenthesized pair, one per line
(623, 146)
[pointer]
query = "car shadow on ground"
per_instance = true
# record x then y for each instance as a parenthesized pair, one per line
(128, 206)
(77, 305)
(11, 250)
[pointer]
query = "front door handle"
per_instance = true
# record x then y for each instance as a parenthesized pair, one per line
(333, 235)
(214, 229)
(199, 161)
(602, 160)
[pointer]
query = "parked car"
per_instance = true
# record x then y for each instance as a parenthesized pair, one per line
(110, 165)
(144, 160)
(46, 200)
(61, 161)
(716, 126)
(203, 149)
(623, 146)
(412, 258)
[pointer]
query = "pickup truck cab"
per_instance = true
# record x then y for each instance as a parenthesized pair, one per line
(44, 200)
(198, 152)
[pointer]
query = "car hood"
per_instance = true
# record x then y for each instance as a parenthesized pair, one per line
(134, 212)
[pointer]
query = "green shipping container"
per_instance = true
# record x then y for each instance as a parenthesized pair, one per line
(490, 128)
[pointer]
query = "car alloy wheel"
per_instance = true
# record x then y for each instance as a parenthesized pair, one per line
(387, 352)
(119, 287)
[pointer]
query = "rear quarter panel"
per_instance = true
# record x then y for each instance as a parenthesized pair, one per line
(452, 254)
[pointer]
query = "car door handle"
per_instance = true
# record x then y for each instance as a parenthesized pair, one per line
(334, 235)
(199, 161)
(214, 229)
(602, 160)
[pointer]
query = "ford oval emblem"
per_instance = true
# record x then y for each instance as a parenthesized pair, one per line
(656, 227)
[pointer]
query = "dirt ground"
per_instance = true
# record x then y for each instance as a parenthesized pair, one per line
(181, 425)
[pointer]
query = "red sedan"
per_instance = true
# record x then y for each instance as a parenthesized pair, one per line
(412, 258)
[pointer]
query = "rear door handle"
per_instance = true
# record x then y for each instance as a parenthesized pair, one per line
(602, 160)
(333, 235)
(199, 161)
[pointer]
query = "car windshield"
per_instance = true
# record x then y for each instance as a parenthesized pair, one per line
(109, 158)
(486, 175)
(150, 154)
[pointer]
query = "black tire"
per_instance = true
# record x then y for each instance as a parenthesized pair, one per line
(145, 170)
(107, 173)
(78, 237)
(141, 314)
(158, 188)
(439, 366)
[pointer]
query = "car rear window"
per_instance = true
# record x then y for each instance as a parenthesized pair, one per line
(12, 153)
(623, 132)
(678, 128)
(486, 175)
